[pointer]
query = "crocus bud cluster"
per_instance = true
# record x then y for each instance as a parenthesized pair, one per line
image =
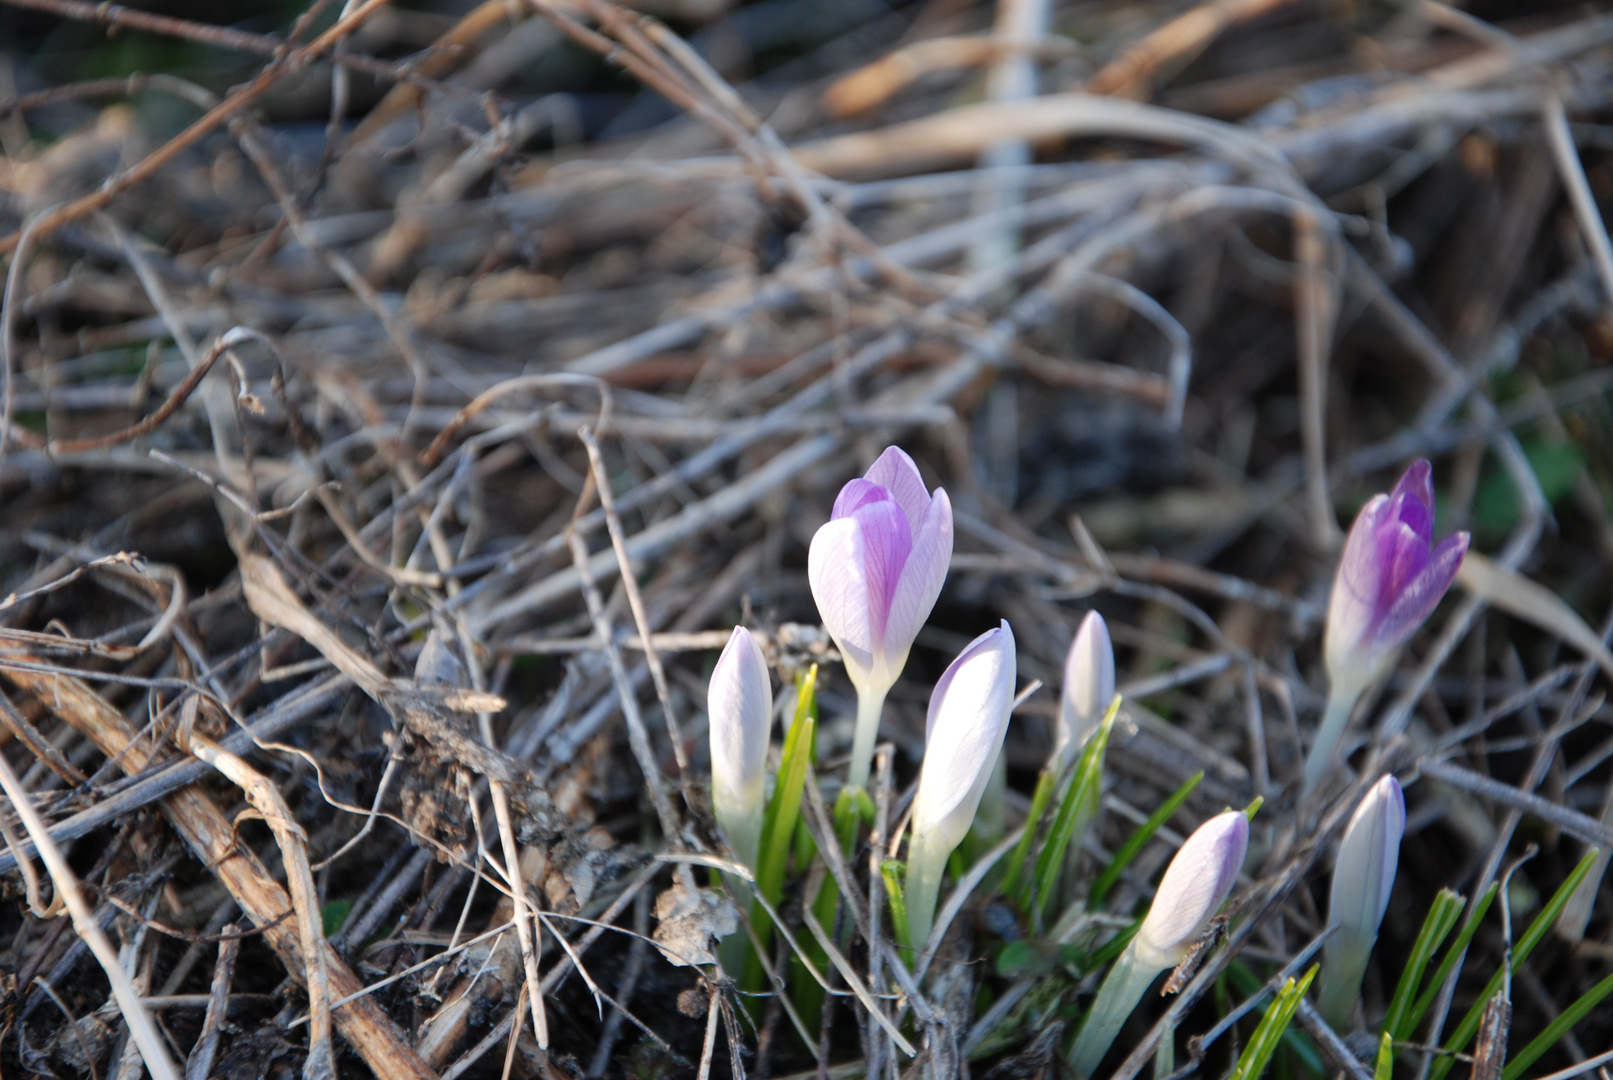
(1363, 877)
(739, 701)
(876, 569)
(967, 719)
(1390, 578)
(1089, 687)
(1195, 886)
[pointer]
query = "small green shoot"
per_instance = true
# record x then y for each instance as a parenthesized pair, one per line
(1075, 813)
(1137, 841)
(1263, 1043)
(783, 810)
(894, 871)
(1425, 1000)
(1531, 937)
(1384, 1069)
(1017, 861)
(1442, 915)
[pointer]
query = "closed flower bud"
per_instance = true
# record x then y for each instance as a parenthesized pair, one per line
(967, 720)
(1390, 578)
(1363, 877)
(1195, 886)
(1089, 687)
(739, 701)
(876, 569)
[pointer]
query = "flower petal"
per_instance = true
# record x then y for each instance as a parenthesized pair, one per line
(1402, 555)
(1412, 500)
(739, 702)
(1194, 886)
(1352, 608)
(1422, 594)
(895, 471)
(853, 567)
(920, 582)
(1369, 856)
(1089, 686)
(855, 495)
(967, 720)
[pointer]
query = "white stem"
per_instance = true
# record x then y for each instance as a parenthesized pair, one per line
(869, 706)
(1344, 961)
(927, 854)
(1320, 760)
(1122, 989)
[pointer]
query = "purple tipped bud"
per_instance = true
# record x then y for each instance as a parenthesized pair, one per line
(1390, 579)
(1089, 687)
(1195, 886)
(878, 565)
(740, 703)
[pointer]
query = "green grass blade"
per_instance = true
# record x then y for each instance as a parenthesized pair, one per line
(894, 872)
(1520, 952)
(1022, 850)
(1138, 840)
(1263, 1043)
(1079, 807)
(1243, 980)
(1385, 1067)
(1555, 1030)
(784, 808)
(1442, 916)
(1425, 1000)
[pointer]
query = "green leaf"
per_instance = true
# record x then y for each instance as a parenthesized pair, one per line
(1442, 916)
(1558, 1028)
(1385, 1067)
(1263, 1043)
(1301, 1045)
(1076, 812)
(1020, 857)
(334, 914)
(894, 871)
(784, 808)
(1138, 840)
(1520, 952)
(1425, 1000)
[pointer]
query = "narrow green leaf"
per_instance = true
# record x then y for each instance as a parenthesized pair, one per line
(894, 871)
(1442, 916)
(784, 808)
(1458, 947)
(1385, 1068)
(1022, 850)
(1520, 952)
(1076, 812)
(1555, 1030)
(1301, 1045)
(1263, 1043)
(1137, 841)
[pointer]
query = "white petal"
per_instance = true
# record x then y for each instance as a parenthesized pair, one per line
(836, 572)
(1089, 686)
(969, 716)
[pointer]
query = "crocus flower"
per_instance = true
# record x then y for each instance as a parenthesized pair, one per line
(876, 569)
(1390, 578)
(1089, 687)
(739, 701)
(1362, 880)
(1195, 886)
(963, 736)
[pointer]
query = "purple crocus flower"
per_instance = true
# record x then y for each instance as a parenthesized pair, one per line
(876, 569)
(1390, 579)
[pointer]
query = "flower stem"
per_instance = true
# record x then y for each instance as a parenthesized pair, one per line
(869, 706)
(1344, 961)
(927, 855)
(1334, 719)
(1122, 989)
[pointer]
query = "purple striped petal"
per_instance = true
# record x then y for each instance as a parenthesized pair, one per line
(856, 495)
(921, 579)
(1422, 594)
(1412, 500)
(853, 566)
(1193, 889)
(895, 472)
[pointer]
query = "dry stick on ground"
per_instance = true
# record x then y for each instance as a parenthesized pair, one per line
(1133, 73)
(265, 799)
(211, 837)
(89, 930)
(238, 99)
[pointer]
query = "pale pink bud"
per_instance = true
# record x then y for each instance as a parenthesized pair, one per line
(1195, 886)
(1089, 687)
(739, 702)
